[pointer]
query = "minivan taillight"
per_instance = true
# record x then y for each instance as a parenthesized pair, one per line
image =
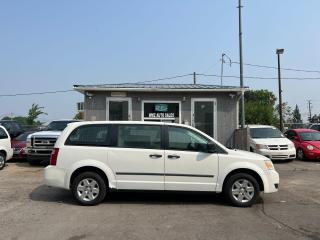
(54, 156)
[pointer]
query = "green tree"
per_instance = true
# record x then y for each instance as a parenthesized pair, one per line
(296, 115)
(259, 107)
(287, 113)
(34, 112)
(78, 116)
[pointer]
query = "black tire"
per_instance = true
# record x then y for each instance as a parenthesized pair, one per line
(32, 162)
(300, 154)
(251, 183)
(97, 181)
(2, 160)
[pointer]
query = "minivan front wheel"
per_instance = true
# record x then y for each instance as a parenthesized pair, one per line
(242, 190)
(89, 188)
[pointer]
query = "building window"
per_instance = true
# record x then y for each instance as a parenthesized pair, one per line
(80, 106)
(161, 111)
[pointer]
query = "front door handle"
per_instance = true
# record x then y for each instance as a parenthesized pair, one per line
(173, 156)
(155, 155)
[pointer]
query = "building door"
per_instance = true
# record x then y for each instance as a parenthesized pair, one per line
(204, 114)
(118, 109)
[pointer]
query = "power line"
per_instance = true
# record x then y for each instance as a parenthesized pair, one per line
(256, 77)
(287, 69)
(64, 91)
(167, 78)
(34, 93)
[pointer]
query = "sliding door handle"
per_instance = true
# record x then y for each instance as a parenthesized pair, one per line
(155, 155)
(173, 156)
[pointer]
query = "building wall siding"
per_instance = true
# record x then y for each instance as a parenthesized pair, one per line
(95, 108)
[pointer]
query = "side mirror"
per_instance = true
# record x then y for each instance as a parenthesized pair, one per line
(211, 147)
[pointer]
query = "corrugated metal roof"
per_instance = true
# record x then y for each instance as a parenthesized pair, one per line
(154, 86)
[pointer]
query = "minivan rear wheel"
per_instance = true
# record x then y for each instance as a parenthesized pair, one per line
(242, 190)
(89, 188)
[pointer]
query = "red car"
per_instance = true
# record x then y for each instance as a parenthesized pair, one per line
(306, 141)
(18, 145)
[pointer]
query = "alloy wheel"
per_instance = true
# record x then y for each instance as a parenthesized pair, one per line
(242, 190)
(88, 189)
(300, 154)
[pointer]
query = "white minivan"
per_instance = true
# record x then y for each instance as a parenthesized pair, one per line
(270, 142)
(93, 158)
(6, 151)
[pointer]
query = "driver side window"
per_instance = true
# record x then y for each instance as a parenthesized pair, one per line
(185, 140)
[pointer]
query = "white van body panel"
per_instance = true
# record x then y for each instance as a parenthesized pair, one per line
(192, 171)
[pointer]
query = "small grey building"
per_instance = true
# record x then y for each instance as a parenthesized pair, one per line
(211, 108)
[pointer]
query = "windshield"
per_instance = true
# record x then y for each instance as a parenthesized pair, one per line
(58, 125)
(265, 133)
(310, 136)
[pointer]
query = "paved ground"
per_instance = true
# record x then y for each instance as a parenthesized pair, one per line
(30, 210)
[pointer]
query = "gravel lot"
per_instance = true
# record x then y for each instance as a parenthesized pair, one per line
(30, 210)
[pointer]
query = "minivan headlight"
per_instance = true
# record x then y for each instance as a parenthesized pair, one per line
(261, 146)
(291, 145)
(269, 164)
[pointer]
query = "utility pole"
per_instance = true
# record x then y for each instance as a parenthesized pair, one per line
(194, 78)
(222, 62)
(309, 108)
(241, 67)
(280, 51)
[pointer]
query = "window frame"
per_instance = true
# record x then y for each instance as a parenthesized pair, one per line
(4, 131)
(166, 132)
(108, 140)
(116, 134)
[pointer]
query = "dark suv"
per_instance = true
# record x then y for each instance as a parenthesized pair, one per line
(12, 127)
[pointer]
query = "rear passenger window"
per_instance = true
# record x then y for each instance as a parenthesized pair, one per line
(3, 134)
(139, 136)
(89, 135)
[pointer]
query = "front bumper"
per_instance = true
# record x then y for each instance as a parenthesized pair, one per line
(278, 154)
(272, 183)
(55, 177)
(39, 155)
(314, 154)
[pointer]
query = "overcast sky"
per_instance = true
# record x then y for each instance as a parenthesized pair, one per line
(51, 45)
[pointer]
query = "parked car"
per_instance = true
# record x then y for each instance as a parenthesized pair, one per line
(5, 147)
(91, 158)
(270, 142)
(12, 127)
(19, 145)
(306, 141)
(315, 126)
(40, 144)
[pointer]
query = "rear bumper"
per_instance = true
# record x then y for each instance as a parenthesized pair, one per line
(272, 183)
(55, 177)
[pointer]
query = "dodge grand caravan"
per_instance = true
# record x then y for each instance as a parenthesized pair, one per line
(93, 158)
